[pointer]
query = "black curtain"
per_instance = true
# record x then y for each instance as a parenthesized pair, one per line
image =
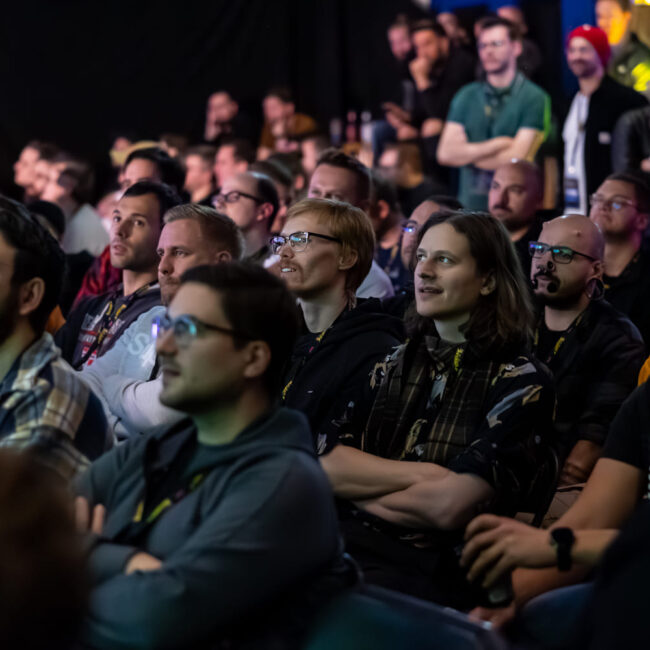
(74, 72)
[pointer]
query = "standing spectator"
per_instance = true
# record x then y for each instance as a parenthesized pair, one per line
(493, 121)
(631, 142)
(630, 62)
(26, 165)
(595, 109)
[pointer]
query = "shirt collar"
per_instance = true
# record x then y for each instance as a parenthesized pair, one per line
(27, 367)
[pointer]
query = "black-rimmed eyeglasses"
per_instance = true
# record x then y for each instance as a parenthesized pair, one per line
(297, 240)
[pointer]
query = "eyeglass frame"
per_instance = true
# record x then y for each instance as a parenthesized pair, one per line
(276, 246)
(196, 329)
(608, 204)
(496, 44)
(216, 199)
(533, 248)
(410, 223)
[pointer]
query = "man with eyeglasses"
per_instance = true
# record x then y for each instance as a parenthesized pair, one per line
(593, 351)
(621, 207)
(251, 201)
(493, 121)
(221, 528)
(594, 112)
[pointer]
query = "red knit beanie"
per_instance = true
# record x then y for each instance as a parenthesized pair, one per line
(598, 39)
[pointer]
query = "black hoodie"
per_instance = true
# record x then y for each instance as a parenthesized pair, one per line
(328, 377)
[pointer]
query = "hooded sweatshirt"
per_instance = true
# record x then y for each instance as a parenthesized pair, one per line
(328, 374)
(260, 526)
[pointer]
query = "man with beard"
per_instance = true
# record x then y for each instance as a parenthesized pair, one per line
(596, 107)
(593, 351)
(97, 322)
(621, 209)
(493, 121)
(126, 378)
(44, 407)
(515, 195)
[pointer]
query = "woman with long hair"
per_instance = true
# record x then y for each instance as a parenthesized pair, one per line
(459, 421)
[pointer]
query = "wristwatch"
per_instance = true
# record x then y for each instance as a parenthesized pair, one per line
(562, 539)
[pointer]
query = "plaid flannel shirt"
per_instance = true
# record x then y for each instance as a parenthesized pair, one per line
(46, 408)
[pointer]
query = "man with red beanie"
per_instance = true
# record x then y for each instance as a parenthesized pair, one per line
(595, 109)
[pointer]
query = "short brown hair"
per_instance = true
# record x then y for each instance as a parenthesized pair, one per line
(337, 158)
(215, 226)
(488, 22)
(349, 224)
(206, 152)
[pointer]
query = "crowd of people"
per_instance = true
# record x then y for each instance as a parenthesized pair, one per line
(270, 370)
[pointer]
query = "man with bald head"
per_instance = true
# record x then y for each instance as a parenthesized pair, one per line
(593, 351)
(251, 201)
(515, 196)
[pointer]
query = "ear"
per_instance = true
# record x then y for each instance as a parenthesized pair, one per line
(257, 360)
(222, 256)
(299, 183)
(489, 285)
(348, 261)
(383, 209)
(264, 211)
(599, 269)
(641, 221)
(30, 296)
(518, 48)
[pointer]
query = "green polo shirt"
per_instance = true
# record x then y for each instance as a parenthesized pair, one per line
(486, 112)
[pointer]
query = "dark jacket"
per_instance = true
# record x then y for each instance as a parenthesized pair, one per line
(329, 378)
(84, 322)
(595, 369)
(630, 293)
(630, 64)
(260, 524)
(631, 143)
(606, 105)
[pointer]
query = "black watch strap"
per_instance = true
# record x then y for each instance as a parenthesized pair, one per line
(563, 539)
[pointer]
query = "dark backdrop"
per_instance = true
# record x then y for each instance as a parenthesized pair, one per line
(74, 76)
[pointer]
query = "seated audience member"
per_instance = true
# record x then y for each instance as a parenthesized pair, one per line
(496, 545)
(593, 350)
(43, 581)
(386, 217)
(96, 323)
(312, 146)
(142, 164)
(631, 142)
(530, 59)
(199, 178)
(325, 250)
(402, 164)
(282, 125)
(621, 207)
(152, 164)
(224, 119)
(234, 156)
(44, 406)
(493, 121)
(126, 378)
(592, 118)
(282, 179)
(25, 168)
(228, 540)
(456, 33)
(70, 186)
(343, 178)
(251, 201)
(175, 144)
(460, 417)
(630, 62)
(515, 196)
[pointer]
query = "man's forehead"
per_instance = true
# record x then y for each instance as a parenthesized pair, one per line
(239, 182)
(616, 188)
(183, 232)
(561, 231)
(423, 211)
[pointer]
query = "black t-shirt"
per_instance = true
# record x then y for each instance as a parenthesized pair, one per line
(546, 342)
(629, 435)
